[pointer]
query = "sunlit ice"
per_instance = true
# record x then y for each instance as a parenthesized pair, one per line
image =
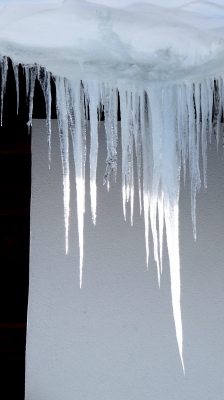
(160, 64)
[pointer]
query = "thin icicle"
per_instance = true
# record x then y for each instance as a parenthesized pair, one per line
(183, 125)
(44, 78)
(222, 109)
(92, 90)
(161, 227)
(210, 87)
(32, 74)
(146, 162)
(16, 76)
(204, 128)
(217, 104)
(62, 116)
(26, 71)
(193, 154)
(4, 72)
(126, 142)
(138, 142)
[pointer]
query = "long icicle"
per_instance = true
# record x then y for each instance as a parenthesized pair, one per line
(77, 123)
(93, 92)
(166, 123)
(62, 116)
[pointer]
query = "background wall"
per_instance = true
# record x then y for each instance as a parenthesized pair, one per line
(115, 339)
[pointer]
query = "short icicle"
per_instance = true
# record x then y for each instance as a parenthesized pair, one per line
(44, 77)
(16, 76)
(4, 72)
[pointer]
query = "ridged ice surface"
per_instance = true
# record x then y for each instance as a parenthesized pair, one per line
(162, 68)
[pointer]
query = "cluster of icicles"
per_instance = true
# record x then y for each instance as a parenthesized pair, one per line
(165, 125)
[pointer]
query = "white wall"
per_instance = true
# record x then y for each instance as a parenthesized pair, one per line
(114, 339)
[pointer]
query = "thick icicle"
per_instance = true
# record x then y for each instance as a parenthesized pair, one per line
(62, 116)
(170, 183)
(4, 72)
(44, 78)
(77, 123)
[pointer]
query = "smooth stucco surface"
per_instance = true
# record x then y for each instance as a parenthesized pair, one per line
(115, 339)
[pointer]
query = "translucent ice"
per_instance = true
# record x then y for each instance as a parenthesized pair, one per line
(161, 67)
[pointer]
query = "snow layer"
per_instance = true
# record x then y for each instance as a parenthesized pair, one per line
(142, 41)
(164, 66)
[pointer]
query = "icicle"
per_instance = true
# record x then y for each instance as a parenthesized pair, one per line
(155, 98)
(222, 109)
(31, 74)
(183, 125)
(170, 174)
(126, 107)
(146, 162)
(16, 75)
(210, 87)
(92, 90)
(44, 78)
(193, 154)
(4, 72)
(217, 102)
(27, 79)
(165, 123)
(77, 123)
(161, 227)
(62, 116)
(109, 99)
(204, 128)
(138, 142)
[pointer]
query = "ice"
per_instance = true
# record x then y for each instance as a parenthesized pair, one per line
(44, 78)
(16, 75)
(109, 99)
(128, 112)
(31, 74)
(4, 70)
(93, 96)
(62, 115)
(163, 66)
(77, 124)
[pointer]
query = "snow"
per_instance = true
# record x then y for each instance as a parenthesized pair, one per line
(162, 62)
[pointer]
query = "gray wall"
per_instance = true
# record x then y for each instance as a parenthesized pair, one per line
(114, 339)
